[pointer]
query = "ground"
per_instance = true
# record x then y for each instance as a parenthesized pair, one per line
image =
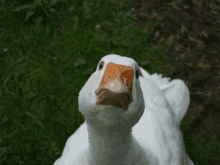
(191, 29)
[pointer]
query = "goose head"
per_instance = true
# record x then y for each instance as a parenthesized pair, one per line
(112, 96)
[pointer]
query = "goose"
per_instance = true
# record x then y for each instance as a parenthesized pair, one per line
(130, 119)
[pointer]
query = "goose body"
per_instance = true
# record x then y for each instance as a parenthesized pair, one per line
(129, 119)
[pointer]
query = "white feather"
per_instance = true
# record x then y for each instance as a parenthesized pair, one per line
(147, 133)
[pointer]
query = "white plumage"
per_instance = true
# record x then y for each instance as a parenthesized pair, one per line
(130, 119)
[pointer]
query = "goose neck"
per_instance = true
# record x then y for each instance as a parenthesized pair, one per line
(108, 145)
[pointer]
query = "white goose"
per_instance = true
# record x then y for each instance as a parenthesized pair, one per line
(130, 119)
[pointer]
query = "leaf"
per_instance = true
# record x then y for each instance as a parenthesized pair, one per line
(191, 39)
(86, 10)
(157, 33)
(86, 7)
(79, 61)
(209, 94)
(72, 9)
(23, 7)
(28, 14)
(205, 34)
(52, 10)
(5, 50)
(170, 40)
(53, 2)
(212, 6)
(36, 3)
(183, 29)
(37, 21)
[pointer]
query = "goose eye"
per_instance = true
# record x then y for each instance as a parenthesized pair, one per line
(137, 73)
(101, 64)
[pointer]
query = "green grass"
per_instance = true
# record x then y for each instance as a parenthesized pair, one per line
(41, 76)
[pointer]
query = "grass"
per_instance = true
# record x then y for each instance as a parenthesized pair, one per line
(44, 65)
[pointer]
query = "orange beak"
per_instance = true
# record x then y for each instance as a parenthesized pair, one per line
(116, 86)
